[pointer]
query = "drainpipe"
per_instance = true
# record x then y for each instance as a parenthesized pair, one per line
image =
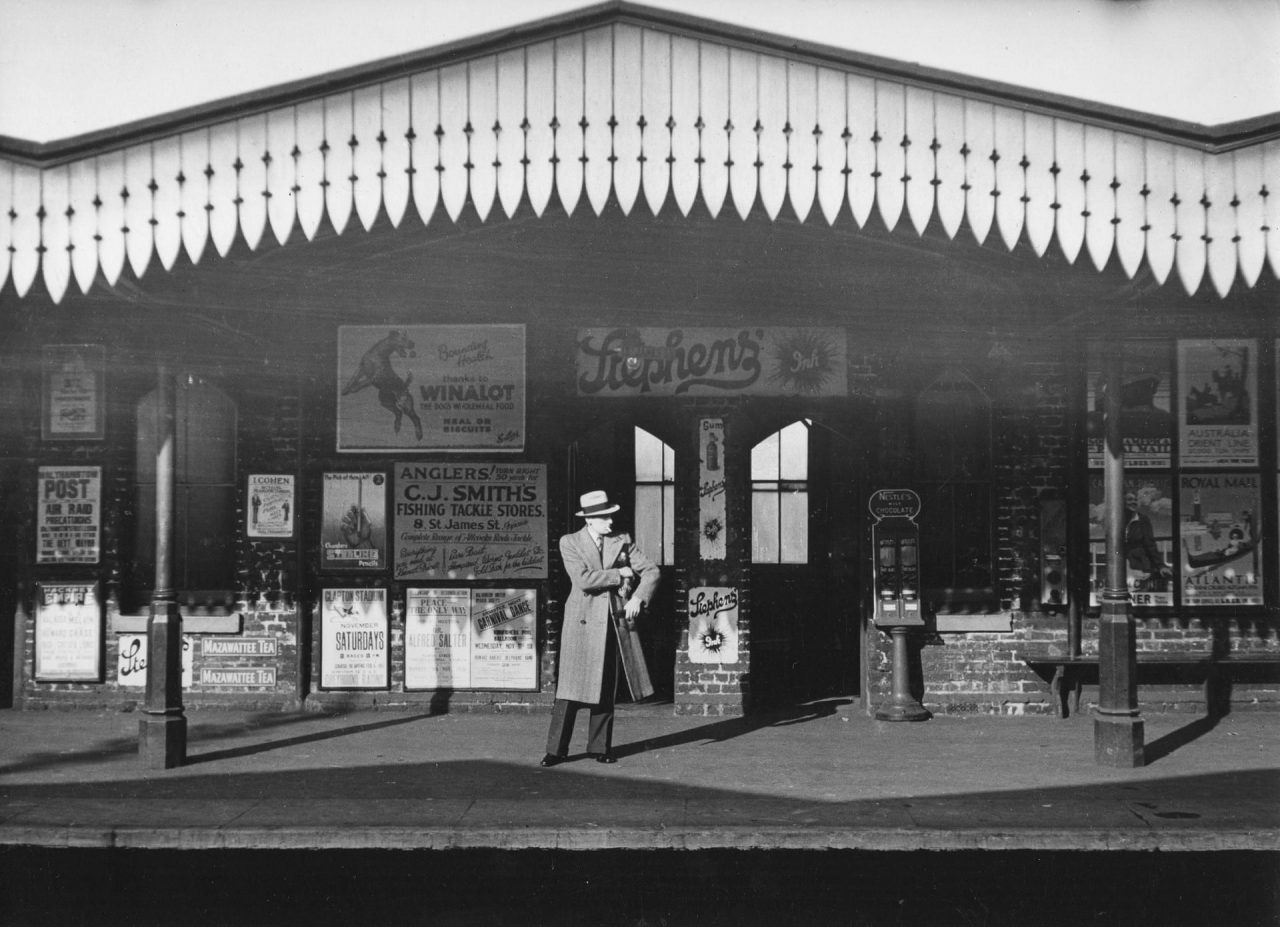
(162, 731)
(1117, 726)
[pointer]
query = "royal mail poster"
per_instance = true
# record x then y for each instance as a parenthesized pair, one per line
(68, 514)
(752, 360)
(485, 520)
(431, 388)
(355, 648)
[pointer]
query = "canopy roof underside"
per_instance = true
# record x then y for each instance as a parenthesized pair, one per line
(645, 114)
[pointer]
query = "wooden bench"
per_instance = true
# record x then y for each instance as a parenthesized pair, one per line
(1069, 673)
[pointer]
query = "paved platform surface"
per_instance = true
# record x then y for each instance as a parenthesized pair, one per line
(819, 776)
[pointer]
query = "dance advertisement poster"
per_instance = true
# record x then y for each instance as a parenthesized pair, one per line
(1151, 562)
(1221, 550)
(504, 653)
(1146, 406)
(355, 646)
(431, 387)
(353, 529)
(1217, 403)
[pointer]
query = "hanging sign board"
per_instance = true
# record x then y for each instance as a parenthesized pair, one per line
(354, 640)
(68, 633)
(431, 387)
(68, 514)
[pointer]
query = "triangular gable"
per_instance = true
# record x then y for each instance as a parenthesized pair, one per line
(650, 108)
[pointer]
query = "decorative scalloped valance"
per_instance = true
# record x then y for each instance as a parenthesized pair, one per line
(632, 111)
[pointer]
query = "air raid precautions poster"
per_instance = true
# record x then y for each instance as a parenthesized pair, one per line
(431, 387)
(270, 510)
(68, 514)
(68, 633)
(354, 641)
(1151, 561)
(471, 639)
(1221, 550)
(1146, 406)
(437, 639)
(470, 521)
(1217, 403)
(353, 532)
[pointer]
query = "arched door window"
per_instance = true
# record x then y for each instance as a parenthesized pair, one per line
(204, 500)
(655, 520)
(780, 496)
(953, 473)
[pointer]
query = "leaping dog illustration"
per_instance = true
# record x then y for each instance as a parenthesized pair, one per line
(393, 392)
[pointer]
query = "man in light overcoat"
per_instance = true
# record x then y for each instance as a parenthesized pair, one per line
(608, 573)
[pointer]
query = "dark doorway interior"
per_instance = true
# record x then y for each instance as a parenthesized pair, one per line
(604, 458)
(804, 615)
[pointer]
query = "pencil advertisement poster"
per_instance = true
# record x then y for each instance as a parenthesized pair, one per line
(353, 534)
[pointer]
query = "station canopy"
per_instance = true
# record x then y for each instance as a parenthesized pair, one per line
(648, 109)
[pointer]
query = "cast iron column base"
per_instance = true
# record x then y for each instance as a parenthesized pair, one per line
(901, 706)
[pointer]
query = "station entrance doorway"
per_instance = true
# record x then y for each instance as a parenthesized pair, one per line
(806, 604)
(635, 464)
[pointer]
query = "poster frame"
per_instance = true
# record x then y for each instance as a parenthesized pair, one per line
(321, 650)
(331, 514)
(95, 356)
(97, 674)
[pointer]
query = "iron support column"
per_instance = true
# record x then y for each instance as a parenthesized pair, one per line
(1117, 726)
(162, 731)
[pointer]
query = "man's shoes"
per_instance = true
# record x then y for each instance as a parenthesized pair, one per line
(605, 758)
(551, 760)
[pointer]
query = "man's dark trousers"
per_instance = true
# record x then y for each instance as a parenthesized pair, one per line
(600, 727)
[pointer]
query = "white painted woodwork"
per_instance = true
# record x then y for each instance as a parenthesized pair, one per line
(395, 150)
(309, 167)
(619, 109)
(282, 204)
(597, 142)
